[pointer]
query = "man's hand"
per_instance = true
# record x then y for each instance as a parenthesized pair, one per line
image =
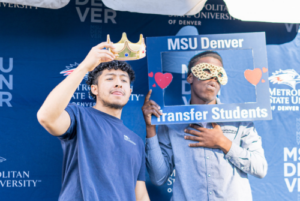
(98, 55)
(150, 108)
(211, 138)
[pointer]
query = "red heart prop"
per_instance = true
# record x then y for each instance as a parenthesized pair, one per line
(154, 85)
(253, 76)
(265, 70)
(150, 74)
(163, 80)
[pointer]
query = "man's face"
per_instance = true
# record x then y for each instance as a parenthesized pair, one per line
(113, 88)
(205, 90)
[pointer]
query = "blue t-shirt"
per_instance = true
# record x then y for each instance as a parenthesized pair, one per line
(103, 159)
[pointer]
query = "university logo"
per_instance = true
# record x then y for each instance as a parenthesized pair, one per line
(70, 70)
(285, 98)
(2, 159)
(14, 178)
(128, 139)
(288, 77)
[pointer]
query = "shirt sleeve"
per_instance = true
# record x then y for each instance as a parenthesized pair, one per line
(159, 156)
(249, 156)
(141, 176)
(71, 109)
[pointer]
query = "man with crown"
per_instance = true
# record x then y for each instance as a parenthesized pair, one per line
(103, 159)
(212, 161)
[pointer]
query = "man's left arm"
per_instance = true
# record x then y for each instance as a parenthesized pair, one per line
(248, 156)
(141, 193)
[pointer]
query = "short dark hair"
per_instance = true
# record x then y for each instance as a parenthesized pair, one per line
(196, 58)
(93, 75)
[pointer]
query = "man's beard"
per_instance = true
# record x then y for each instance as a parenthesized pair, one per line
(112, 105)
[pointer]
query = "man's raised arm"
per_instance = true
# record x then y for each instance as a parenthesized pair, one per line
(52, 115)
(159, 155)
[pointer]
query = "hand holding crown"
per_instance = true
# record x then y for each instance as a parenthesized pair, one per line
(98, 55)
(123, 50)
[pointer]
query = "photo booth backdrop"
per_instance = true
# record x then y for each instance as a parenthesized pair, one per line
(39, 47)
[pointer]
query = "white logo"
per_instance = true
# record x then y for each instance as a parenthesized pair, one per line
(128, 139)
(2, 159)
(70, 70)
(288, 77)
(283, 98)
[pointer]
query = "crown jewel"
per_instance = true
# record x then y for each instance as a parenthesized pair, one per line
(126, 50)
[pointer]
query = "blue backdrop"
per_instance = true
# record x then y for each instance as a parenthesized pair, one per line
(38, 47)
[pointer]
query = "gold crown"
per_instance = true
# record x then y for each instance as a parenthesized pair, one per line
(126, 50)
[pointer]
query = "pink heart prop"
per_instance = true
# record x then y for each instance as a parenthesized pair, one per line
(264, 70)
(150, 74)
(253, 76)
(163, 80)
(154, 85)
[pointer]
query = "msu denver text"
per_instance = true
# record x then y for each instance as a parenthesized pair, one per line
(189, 43)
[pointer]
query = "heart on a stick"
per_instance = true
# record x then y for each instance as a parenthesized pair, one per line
(163, 80)
(253, 76)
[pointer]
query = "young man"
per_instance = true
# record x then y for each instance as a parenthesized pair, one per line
(103, 159)
(211, 160)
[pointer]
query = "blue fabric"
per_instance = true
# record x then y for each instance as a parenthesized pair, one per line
(42, 43)
(203, 173)
(103, 159)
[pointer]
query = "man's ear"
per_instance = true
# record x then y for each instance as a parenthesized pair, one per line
(94, 89)
(190, 78)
